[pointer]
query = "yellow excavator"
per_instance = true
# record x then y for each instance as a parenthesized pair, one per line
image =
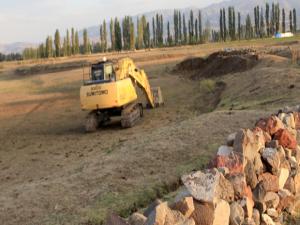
(111, 90)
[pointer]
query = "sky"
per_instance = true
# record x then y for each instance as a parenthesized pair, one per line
(32, 20)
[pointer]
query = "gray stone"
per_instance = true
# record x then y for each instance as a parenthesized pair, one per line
(151, 207)
(230, 139)
(250, 174)
(208, 186)
(224, 150)
(237, 214)
(272, 157)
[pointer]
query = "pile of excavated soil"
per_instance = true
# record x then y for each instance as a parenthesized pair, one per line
(218, 64)
(281, 51)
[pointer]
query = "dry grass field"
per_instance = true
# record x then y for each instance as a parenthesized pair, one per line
(52, 172)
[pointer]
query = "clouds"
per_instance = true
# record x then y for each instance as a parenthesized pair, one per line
(33, 20)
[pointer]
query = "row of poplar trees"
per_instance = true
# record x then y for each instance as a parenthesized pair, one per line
(267, 22)
(126, 35)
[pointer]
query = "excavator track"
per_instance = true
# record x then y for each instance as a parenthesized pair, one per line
(131, 114)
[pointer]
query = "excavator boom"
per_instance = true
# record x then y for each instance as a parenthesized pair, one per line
(127, 68)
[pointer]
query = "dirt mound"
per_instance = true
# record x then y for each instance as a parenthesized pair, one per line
(218, 64)
(50, 68)
(281, 51)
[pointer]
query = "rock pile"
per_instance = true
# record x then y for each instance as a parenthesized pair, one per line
(253, 180)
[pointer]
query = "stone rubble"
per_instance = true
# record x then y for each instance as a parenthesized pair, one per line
(253, 180)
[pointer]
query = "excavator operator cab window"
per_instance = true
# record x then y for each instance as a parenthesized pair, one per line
(102, 72)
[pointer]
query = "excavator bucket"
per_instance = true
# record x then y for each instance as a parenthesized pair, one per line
(157, 96)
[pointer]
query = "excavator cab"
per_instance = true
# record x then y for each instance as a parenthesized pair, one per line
(102, 72)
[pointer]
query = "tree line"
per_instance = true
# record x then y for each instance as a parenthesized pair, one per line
(116, 35)
(268, 22)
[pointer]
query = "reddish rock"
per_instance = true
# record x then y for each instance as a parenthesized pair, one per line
(270, 125)
(233, 162)
(286, 139)
(285, 202)
(269, 182)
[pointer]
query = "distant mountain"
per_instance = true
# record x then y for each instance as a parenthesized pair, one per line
(210, 16)
(16, 47)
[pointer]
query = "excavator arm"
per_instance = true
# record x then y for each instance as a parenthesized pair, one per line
(127, 68)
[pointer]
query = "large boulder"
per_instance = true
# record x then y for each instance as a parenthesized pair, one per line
(270, 125)
(248, 143)
(203, 213)
(286, 139)
(269, 182)
(237, 214)
(221, 213)
(208, 186)
(185, 206)
(272, 157)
